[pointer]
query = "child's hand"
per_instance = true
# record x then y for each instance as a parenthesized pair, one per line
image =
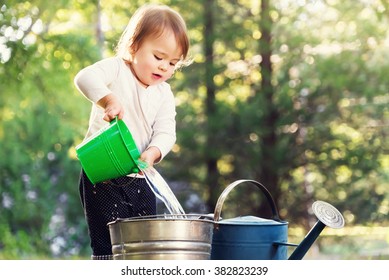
(112, 107)
(151, 155)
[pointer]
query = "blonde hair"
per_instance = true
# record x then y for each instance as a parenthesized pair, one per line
(153, 20)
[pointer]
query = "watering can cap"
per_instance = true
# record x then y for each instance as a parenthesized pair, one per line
(250, 220)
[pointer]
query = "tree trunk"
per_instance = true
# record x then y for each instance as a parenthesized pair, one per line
(268, 165)
(210, 107)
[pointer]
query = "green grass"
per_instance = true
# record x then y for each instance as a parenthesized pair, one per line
(353, 243)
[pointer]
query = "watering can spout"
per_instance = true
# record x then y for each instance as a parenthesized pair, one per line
(327, 215)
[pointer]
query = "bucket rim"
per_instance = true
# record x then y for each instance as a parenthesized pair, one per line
(128, 140)
(166, 217)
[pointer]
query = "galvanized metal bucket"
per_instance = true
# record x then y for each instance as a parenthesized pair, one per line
(162, 237)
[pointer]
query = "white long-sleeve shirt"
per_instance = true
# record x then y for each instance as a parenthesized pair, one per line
(149, 113)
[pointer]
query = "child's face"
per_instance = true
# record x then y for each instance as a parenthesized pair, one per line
(154, 62)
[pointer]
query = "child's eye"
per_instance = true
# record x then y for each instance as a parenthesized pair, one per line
(157, 57)
(172, 64)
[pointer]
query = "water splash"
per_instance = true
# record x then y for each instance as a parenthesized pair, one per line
(161, 189)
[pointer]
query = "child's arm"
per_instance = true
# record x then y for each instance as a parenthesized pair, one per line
(93, 82)
(111, 106)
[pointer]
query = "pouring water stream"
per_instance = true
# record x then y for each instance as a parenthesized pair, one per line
(161, 189)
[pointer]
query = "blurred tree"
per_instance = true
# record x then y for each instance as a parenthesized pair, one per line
(212, 124)
(327, 93)
(40, 122)
(292, 94)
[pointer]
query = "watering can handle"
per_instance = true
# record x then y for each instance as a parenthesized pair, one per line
(227, 190)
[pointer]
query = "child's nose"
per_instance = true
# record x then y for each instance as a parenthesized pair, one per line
(163, 66)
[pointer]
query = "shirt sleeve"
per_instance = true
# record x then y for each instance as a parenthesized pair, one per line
(164, 127)
(94, 80)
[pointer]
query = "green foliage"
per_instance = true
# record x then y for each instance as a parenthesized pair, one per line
(40, 123)
(329, 96)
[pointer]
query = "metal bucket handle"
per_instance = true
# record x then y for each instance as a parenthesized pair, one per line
(227, 190)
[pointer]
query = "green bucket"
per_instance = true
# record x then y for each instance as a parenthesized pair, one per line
(109, 153)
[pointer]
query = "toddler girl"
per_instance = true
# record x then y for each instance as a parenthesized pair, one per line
(132, 86)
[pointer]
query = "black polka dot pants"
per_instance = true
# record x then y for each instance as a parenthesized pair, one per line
(124, 197)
